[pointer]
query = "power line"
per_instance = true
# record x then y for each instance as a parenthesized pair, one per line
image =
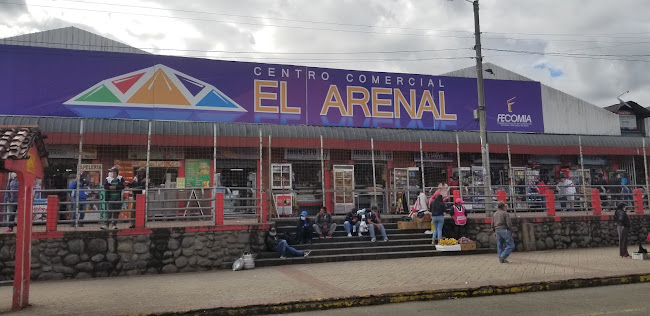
(613, 35)
(579, 56)
(237, 22)
(236, 52)
(269, 18)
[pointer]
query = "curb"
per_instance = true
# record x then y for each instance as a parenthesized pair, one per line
(367, 300)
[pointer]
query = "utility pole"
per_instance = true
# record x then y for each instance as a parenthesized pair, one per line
(485, 152)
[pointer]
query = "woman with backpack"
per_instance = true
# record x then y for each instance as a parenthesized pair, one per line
(459, 215)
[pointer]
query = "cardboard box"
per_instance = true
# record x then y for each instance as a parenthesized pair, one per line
(448, 248)
(407, 225)
(468, 246)
(425, 218)
(423, 225)
(639, 256)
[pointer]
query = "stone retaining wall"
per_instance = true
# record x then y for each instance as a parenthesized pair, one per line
(532, 234)
(101, 254)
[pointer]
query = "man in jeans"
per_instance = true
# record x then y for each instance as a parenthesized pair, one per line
(324, 223)
(114, 184)
(502, 226)
(374, 222)
(274, 243)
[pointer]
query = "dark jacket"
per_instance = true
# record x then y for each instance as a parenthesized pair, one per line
(306, 224)
(438, 208)
(272, 242)
(114, 195)
(621, 218)
(322, 220)
(350, 217)
(138, 185)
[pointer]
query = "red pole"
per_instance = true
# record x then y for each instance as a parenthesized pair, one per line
(595, 202)
(22, 272)
(140, 201)
(52, 213)
(638, 201)
(265, 208)
(456, 194)
(218, 208)
(550, 203)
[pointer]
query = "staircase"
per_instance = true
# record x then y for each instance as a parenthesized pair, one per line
(401, 244)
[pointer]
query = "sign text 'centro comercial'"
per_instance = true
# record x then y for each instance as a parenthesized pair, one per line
(70, 83)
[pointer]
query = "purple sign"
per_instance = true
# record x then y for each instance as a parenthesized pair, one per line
(71, 83)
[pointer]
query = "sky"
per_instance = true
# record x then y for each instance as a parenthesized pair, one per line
(594, 50)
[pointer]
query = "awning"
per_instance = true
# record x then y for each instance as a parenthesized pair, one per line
(185, 128)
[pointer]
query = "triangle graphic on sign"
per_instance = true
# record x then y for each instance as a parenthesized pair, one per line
(125, 83)
(193, 86)
(99, 93)
(217, 99)
(159, 90)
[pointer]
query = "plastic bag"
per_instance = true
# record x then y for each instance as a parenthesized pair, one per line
(249, 262)
(238, 264)
(363, 227)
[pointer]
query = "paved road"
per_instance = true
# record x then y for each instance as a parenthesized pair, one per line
(188, 291)
(628, 300)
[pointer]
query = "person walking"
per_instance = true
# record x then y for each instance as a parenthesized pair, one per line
(623, 228)
(502, 226)
(12, 198)
(438, 209)
(114, 184)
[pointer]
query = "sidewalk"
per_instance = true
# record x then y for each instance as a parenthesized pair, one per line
(191, 291)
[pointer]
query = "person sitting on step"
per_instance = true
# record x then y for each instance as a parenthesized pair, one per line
(277, 244)
(352, 222)
(324, 223)
(374, 222)
(304, 229)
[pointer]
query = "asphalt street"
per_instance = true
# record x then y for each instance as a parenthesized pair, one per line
(608, 300)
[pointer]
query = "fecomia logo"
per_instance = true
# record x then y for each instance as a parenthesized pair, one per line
(513, 120)
(158, 86)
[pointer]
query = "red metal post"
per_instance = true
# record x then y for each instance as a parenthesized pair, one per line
(550, 203)
(455, 194)
(595, 202)
(638, 201)
(501, 196)
(140, 201)
(218, 208)
(52, 213)
(22, 271)
(265, 208)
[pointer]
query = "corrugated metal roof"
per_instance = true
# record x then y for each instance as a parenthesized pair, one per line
(15, 142)
(130, 126)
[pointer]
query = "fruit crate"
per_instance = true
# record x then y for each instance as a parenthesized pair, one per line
(468, 246)
(448, 248)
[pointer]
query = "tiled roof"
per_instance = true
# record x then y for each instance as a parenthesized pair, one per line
(15, 141)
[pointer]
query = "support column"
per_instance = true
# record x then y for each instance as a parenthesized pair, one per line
(595, 202)
(550, 203)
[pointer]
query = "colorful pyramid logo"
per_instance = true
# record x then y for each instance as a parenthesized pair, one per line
(158, 86)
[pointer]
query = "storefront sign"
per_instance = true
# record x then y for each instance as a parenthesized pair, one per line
(143, 86)
(157, 153)
(238, 153)
(197, 173)
(628, 122)
(305, 154)
(433, 157)
(71, 151)
(380, 155)
(594, 160)
(90, 167)
(545, 160)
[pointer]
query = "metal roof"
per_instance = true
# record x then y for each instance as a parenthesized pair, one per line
(131, 126)
(15, 142)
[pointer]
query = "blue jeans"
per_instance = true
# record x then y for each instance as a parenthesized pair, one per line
(283, 247)
(348, 227)
(504, 238)
(82, 212)
(372, 228)
(438, 222)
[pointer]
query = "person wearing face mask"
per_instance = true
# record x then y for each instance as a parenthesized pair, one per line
(114, 184)
(12, 197)
(303, 233)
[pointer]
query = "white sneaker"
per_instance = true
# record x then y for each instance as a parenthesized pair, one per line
(307, 253)
(429, 232)
(385, 239)
(349, 235)
(360, 234)
(283, 257)
(373, 240)
(103, 227)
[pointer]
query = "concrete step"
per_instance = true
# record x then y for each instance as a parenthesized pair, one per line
(339, 227)
(366, 237)
(358, 244)
(381, 247)
(365, 256)
(291, 221)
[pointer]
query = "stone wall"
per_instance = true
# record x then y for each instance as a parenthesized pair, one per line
(532, 234)
(109, 253)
